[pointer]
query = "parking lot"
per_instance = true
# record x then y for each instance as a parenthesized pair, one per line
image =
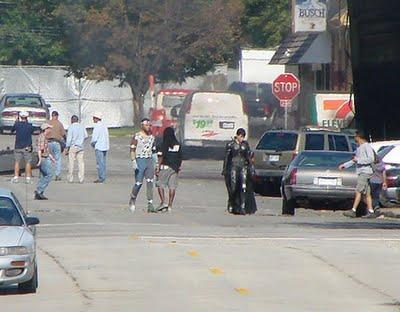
(94, 255)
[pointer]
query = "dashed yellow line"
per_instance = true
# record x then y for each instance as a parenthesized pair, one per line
(193, 253)
(242, 291)
(216, 271)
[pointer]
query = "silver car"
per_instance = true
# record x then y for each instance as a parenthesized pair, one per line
(315, 176)
(17, 245)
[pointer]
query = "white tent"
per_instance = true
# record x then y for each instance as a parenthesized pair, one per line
(62, 93)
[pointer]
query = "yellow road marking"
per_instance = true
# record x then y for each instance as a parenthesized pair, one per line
(216, 271)
(193, 253)
(242, 291)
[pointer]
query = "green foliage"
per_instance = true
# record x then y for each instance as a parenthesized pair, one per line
(30, 33)
(265, 23)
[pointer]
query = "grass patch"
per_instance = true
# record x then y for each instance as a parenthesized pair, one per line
(118, 132)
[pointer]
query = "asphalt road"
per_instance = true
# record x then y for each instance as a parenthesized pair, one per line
(94, 255)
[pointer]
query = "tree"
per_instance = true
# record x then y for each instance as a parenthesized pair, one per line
(266, 22)
(130, 40)
(30, 33)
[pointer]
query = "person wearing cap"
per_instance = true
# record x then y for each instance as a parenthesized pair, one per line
(44, 163)
(76, 136)
(144, 158)
(101, 144)
(23, 147)
(56, 137)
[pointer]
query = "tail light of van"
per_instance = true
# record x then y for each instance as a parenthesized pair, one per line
(266, 110)
(293, 177)
(245, 108)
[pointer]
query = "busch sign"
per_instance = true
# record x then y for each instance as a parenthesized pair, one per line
(310, 15)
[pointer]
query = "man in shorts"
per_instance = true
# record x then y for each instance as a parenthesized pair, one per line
(364, 160)
(143, 158)
(23, 147)
(170, 159)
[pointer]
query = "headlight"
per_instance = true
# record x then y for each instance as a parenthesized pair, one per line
(18, 250)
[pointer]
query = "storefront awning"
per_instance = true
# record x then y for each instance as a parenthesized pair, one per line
(304, 48)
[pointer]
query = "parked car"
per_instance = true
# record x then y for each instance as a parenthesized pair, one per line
(390, 197)
(315, 176)
(18, 263)
(209, 119)
(12, 104)
(160, 115)
(380, 145)
(277, 148)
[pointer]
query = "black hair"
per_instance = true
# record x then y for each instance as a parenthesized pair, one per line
(241, 132)
(169, 138)
(74, 117)
(144, 119)
(54, 113)
(361, 134)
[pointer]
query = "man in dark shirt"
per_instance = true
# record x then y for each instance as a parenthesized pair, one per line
(23, 147)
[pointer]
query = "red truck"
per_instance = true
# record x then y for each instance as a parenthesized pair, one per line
(160, 115)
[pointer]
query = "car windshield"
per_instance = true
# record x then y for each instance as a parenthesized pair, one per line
(172, 100)
(278, 141)
(384, 151)
(325, 160)
(9, 214)
(19, 101)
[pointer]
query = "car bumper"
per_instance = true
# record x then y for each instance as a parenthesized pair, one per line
(317, 192)
(205, 143)
(8, 123)
(265, 174)
(26, 273)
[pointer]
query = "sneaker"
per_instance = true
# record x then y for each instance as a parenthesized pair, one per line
(14, 180)
(162, 207)
(132, 207)
(58, 178)
(150, 207)
(40, 196)
(98, 181)
(28, 180)
(350, 214)
(371, 215)
(169, 209)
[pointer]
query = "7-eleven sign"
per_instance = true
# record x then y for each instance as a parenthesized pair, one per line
(334, 110)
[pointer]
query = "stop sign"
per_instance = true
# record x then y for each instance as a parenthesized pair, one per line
(286, 87)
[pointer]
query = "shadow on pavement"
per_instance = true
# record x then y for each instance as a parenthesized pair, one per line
(347, 225)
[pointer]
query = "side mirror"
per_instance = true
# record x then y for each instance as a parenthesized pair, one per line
(32, 220)
(175, 112)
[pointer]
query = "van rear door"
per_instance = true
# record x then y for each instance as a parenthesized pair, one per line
(213, 117)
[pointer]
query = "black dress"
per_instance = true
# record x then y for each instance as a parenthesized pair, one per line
(238, 178)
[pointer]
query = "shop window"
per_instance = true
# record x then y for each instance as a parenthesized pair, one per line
(322, 77)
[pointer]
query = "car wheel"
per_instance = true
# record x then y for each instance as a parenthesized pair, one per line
(386, 203)
(288, 207)
(30, 286)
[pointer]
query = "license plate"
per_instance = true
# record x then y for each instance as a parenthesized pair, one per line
(273, 158)
(329, 182)
(227, 125)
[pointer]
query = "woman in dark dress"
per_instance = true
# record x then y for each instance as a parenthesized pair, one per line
(237, 173)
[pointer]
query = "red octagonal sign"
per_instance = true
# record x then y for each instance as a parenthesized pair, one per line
(286, 87)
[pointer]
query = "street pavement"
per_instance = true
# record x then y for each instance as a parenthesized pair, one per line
(95, 255)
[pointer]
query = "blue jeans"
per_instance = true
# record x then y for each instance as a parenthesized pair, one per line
(55, 149)
(145, 170)
(101, 164)
(46, 174)
(376, 189)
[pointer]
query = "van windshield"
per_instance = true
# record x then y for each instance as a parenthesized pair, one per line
(225, 104)
(172, 100)
(278, 141)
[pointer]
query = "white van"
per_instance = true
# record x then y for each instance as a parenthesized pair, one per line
(210, 119)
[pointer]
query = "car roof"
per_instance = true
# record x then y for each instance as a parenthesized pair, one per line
(22, 94)
(5, 192)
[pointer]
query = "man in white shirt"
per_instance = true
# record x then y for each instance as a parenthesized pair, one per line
(75, 139)
(101, 144)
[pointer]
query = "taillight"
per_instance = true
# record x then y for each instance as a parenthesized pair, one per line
(245, 108)
(293, 177)
(391, 181)
(38, 114)
(9, 114)
(266, 110)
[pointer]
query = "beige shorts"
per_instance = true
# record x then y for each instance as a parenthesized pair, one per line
(363, 185)
(167, 178)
